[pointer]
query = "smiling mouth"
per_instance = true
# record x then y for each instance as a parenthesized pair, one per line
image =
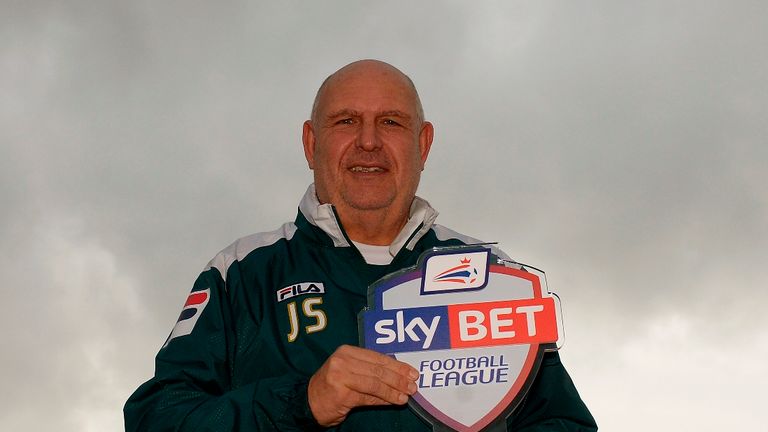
(362, 169)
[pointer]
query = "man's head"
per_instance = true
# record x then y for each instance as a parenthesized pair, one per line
(330, 78)
(367, 140)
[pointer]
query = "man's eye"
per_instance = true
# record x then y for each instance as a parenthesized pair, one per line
(345, 121)
(391, 122)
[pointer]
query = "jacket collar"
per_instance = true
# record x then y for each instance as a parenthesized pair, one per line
(323, 216)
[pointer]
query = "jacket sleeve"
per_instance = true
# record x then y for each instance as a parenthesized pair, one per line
(552, 404)
(192, 390)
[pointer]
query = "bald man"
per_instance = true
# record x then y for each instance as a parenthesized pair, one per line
(267, 337)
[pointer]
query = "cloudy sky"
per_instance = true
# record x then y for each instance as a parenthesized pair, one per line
(622, 148)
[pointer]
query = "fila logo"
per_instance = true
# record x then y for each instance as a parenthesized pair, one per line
(300, 289)
(193, 308)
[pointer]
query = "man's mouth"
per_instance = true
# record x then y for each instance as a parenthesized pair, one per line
(362, 169)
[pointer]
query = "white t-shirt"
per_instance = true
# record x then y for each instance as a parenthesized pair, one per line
(377, 255)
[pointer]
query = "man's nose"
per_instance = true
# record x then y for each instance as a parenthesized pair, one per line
(368, 139)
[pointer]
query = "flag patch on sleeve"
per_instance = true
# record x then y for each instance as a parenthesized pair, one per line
(190, 313)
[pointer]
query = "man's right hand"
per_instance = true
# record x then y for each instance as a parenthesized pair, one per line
(353, 377)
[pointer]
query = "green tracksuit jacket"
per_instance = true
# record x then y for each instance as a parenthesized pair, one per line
(267, 312)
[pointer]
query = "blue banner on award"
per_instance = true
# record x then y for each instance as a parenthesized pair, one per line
(475, 327)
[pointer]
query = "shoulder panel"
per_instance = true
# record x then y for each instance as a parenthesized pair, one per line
(245, 245)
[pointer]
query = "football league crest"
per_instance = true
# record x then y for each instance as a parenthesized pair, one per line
(474, 327)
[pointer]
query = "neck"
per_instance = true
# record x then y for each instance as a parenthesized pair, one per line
(373, 227)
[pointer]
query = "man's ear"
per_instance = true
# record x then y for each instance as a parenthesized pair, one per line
(426, 135)
(308, 138)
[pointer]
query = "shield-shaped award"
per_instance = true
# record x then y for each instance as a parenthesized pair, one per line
(474, 326)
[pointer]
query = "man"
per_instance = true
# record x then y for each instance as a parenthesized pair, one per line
(267, 338)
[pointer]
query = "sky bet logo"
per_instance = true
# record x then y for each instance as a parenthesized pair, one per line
(461, 326)
(472, 326)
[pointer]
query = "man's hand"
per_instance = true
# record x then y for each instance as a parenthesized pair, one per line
(353, 377)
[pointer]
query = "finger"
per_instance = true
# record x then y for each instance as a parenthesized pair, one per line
(373, 391)
(368, 400)
(376, 379)
(401, 368)
(386, 361)
(392, 378)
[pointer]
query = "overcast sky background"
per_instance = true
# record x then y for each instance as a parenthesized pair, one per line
(620, 146)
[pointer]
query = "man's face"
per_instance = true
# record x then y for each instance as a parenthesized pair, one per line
(366, 142)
